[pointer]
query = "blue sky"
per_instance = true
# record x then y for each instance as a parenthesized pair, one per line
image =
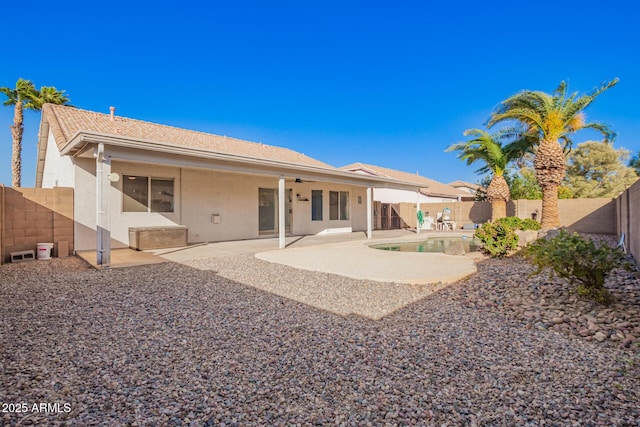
(342, 81)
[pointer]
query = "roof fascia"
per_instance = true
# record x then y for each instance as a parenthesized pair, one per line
(43, 141)
(128, 149)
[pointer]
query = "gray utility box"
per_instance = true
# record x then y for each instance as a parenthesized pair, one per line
(143, 238)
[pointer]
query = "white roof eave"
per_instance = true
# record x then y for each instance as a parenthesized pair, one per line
(82, 138)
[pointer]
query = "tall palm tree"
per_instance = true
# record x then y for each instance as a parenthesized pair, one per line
(551, 118)
(635, 163)
(490, 150)
(26, 96)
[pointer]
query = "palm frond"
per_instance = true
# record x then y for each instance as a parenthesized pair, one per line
(486, 148)
(49, 94)
(524, 115)
(561, 90)
(585, 100)
(567, 144)
(23, 92)
(604, 86)
(520, 147)
(559, 95)
(553, 115)
(12, 96)
(608, 133)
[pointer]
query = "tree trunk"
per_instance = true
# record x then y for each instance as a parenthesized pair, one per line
(550, 166)
(16, 134)
(498, 209)
(550, 217)
(498, 194)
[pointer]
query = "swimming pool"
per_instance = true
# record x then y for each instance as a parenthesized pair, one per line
(436, 244)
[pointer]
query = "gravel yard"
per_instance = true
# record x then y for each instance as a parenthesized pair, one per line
(171, 344)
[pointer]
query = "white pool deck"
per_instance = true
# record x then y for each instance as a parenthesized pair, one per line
(346, 255)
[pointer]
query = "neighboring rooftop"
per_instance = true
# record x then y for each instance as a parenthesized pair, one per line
(465, 186)
(65, 122)
(429, 186)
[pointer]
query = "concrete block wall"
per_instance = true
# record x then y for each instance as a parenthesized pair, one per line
(628, 212)
(36, 215)
(581, 215)
(461, 212)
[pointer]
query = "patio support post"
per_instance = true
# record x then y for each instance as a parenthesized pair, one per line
(418, 210)
(103, 229)
(281, 207)
(369, 213)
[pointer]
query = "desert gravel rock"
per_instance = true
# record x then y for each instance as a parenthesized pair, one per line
(170, 344)
(331, 292)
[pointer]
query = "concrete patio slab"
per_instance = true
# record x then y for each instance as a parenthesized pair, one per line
(346, 254)
(357, 260)
(123, 257)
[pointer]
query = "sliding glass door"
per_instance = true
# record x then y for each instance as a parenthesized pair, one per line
(268, 211)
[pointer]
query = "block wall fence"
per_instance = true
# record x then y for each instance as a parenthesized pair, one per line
(35, 215)
(628, 208)
(581, 215)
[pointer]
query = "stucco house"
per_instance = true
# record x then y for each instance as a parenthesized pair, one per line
(466, 186)
(387, 201)
(431, 191)
(129, 173)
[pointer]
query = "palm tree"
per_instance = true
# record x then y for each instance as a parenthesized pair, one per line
(26, 96)
(489, 150)
(551, 119)
(635, 163)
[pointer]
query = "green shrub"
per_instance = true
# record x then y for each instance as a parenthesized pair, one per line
(498, 239)
(519, 224)
(510, 221)
(529, 224)
(578, 260)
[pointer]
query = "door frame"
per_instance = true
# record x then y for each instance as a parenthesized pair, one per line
(288, 215)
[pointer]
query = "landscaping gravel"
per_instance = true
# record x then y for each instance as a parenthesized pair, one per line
(170, 344)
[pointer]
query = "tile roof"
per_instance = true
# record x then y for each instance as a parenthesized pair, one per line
(458, 183)
(66, 121)
(429, 186)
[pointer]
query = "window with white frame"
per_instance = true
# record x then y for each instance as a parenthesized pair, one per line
(338, 205)
(147, 194)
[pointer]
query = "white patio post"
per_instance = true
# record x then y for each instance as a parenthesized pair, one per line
(103, 229)
(418, 210)
(369, 216)
(281, 225)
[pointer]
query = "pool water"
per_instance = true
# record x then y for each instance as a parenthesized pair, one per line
(431, 245)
